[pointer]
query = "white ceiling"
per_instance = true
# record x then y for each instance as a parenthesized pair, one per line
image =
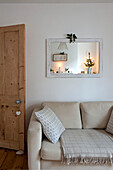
(56, 1)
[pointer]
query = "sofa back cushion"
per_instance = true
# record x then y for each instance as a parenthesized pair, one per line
(96, 114)
(67, 112)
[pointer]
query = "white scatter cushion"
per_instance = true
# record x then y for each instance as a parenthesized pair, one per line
(52, 126)
(110, 124)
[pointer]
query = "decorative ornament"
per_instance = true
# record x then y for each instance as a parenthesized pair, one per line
(89, 63)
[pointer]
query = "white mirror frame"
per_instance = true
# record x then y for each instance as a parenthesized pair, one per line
(70, 75)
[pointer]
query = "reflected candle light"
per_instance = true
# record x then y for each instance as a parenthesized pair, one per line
(59, 64)
(59, 67)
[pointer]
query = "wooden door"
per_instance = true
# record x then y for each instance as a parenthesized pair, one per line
(12, 89)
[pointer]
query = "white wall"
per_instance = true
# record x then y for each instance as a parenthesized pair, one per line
(54, 21)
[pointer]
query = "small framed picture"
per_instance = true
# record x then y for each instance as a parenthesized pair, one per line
(60, 57)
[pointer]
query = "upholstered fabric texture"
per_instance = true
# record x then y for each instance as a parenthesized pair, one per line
(50, 151)
(34, 140)
(67, 112)
(96, 114)
(86, 146)
(52, 126)
(56, 165)
(110, 124)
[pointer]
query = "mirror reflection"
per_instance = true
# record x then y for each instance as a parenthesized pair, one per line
(81, 57)
(75, 57)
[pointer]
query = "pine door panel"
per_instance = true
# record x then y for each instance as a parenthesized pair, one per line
(12, 86)
(11, 63)
(12, 123)
(1, 62)
(2, 125)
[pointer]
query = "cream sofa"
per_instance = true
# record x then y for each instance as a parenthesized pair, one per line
(43, 155)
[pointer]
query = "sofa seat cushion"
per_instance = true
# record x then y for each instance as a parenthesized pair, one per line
(50, 151)
(96, 114)
(67, 112)
(57, 165)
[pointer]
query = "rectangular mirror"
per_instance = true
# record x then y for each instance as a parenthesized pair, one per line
(82, 58)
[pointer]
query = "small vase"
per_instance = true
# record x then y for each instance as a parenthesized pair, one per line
(89, 70)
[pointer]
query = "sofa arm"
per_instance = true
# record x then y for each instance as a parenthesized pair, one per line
(34, 143)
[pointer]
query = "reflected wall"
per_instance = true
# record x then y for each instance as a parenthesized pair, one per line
(72, 58)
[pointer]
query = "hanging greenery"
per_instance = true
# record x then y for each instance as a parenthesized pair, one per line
(71, 37)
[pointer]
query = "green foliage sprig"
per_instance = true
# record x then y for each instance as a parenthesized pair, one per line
(71, 37)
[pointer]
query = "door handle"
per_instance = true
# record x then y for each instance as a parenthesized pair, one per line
(18, 101)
